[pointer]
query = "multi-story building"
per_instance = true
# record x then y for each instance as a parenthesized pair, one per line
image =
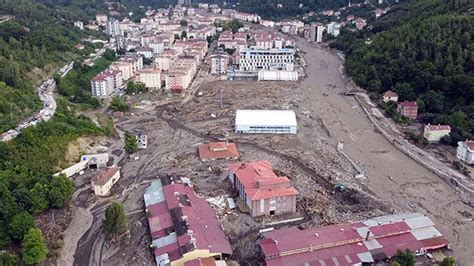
(255, 59)
(316, 32)
(112, 28)
(147, 52)
(261, 189)
(434, 133)
(151, 77)
(219, 63)
(465, 151)
(334, 29)
(408, 109)
(184, 228)
(104, 180)
(166, 59)
(125, 67)
(106, 82)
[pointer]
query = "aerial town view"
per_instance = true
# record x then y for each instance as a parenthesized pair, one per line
(251, 132)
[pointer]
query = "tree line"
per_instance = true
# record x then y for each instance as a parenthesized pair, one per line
(428, 58)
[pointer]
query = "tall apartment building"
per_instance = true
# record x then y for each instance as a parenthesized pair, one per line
(151, 77)
(125, 67)
(219, 63)
(112, 28)
(316, 32)
(255, 59)
(106, 82)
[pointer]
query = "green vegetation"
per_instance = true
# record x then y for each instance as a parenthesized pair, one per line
(34, 248)
(405, 258)
(115, 220)
(449, 261)
(32, 44)
(131, 143)
(8, 259)
(26, 167)
(118, 104)
(20, 225)
(136, 87)
(234, 25)
(424, 51)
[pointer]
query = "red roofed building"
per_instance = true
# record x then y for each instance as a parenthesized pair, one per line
(184, 227)
(104, 180)
(390, 96)
(218, 150)
(434, 133)
(408, 109)
(261, 189)
(351, 244)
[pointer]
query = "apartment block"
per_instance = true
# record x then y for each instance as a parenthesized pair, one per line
(106, 82)
(219, 63)
(255, 59)
(151, 77)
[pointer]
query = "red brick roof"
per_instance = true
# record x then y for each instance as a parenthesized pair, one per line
(390, 94)
(408, 104)
(438, 127)
(260, 182)
(218, 150)
(470, 144)
(104, 175)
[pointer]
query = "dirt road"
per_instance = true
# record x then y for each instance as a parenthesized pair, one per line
(392, 176)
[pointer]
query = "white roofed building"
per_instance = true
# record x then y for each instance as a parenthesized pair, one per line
(266, 121)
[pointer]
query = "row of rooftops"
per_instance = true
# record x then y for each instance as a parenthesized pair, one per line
(354, 243)
(106, 74)
(180, 221)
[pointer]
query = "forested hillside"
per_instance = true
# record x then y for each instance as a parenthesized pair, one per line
(33, 41)
(424, 51)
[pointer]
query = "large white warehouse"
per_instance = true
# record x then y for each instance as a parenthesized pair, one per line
(265, 121)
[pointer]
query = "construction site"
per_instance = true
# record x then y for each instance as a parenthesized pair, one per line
(343, 168)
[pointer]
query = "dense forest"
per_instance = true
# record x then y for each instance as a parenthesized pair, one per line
(424, 51)
(33, 42)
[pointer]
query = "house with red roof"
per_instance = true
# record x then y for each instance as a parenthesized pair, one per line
(434, 133)
(390, 96)
(218, 150)
(355, 243)
(183, 226)
(408, 109)
(103, 181)
(465, 151)
(261, 189)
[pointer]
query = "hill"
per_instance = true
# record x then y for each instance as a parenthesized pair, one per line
(424, 51)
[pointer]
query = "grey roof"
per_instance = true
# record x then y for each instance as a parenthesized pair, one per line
(392, 218)
(164, 241)
(419, 222)
(365, 257)
(154, 193)
(372, 244)
(162, 260)
(425, 233)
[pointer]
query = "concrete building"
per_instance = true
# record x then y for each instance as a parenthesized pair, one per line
(266, 121)
(465, 151)
(334, 29)
(79, 24)
(255, 59)
(183, 227)
(434, 133)
(390, 96)
(125, 67)
(147, 52)
(408, 109)
(316, 32)
(106, 82)
(369, 242)
(104, 180)
(261, 189)
(112, 28)
(151, 77)
(142, 139)
(166, 59)
(219, 63)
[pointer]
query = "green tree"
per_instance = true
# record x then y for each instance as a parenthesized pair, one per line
(405, 258)
(118, 104)
(449, 261)
(8, 259)
(115, 220)
(109, 55)
(183, 23)
(136, 87)
(34, 248)
(61, 189)
(20, 225)
(39, 198)
(131, 143)
(184, 34)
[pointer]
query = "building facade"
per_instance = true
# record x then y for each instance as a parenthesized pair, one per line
(434, 133)
(408, 109)
(390, 96)
(255, 59)
(465, 151)
(219, 63)
(261, 189)
(104, 180)
(151, 77)
(112, 28)
(265, 122)
(106, 82)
